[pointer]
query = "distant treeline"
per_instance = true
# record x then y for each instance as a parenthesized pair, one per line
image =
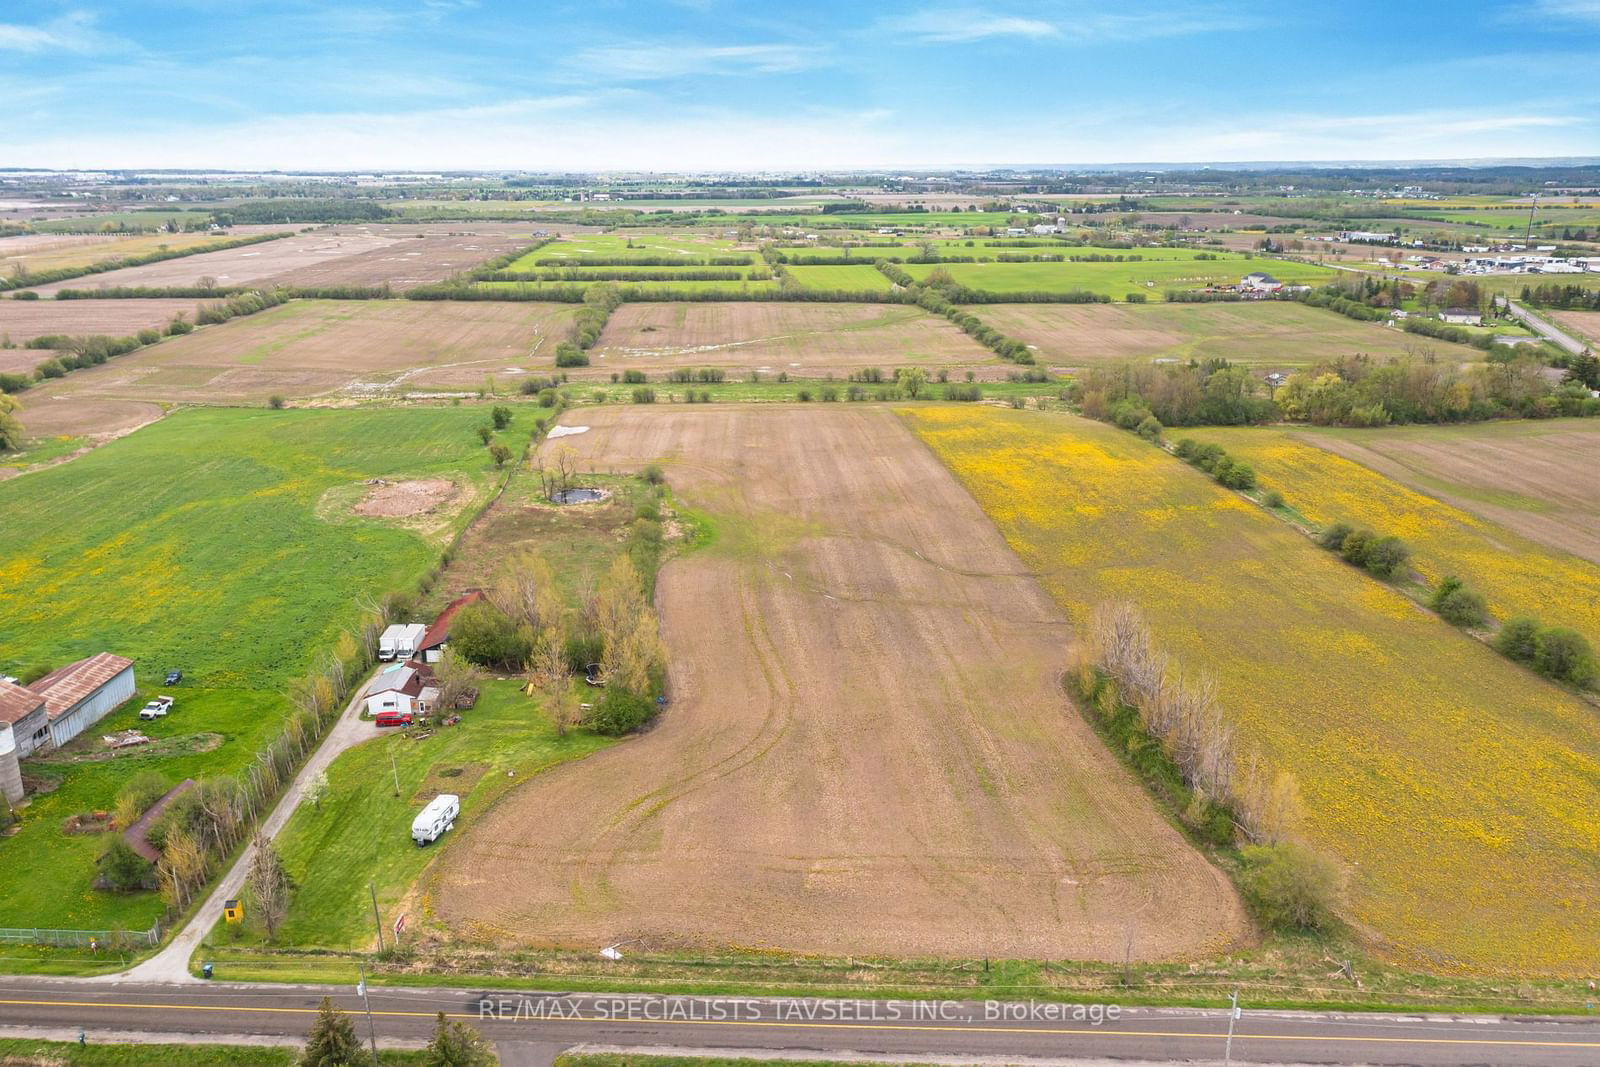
(1562, 297)
(267, 212)
(22, 278)
(1353, 391)
(203, 292)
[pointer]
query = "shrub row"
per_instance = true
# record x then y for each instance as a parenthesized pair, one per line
(1554, 651)
(1383, 556)
(1211, 458)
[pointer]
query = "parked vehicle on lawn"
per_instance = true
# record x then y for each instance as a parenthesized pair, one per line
(174, 676)
(436, 820)
(392, 718)
(156, 709)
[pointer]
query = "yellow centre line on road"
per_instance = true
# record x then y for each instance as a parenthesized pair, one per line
(1508, 1042)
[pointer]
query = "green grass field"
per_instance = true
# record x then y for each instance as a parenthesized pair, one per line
(638, 245)
(647, 287)
(862, 279)
(361, 832)
(201, 542)
(1152, 276)
(1408, 738)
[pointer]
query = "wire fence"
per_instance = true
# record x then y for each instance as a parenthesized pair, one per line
(24, 935)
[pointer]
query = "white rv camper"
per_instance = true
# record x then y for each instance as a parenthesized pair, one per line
(436, 819)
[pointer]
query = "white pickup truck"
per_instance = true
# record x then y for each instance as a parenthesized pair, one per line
(156, 709)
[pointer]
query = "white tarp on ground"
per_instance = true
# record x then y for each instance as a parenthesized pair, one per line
(567, 431)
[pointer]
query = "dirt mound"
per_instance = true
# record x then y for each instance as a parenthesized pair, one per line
(403, 500)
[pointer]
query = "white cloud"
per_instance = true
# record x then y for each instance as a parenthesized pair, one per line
(665, 60)
(952, 27)
(962, 25)
(1580, 10)
(73, 32)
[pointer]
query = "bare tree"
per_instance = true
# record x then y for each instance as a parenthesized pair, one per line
(269, 885)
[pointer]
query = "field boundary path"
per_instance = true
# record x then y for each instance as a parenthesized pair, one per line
(171, 964)
(1549, 331)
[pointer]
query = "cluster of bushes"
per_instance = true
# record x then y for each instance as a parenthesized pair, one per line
(1459, 605)
(539, 386)
(1214, 460)
(709, 375)
(1212, 393)
(1383, 556)
(964, 393)
(1554, 651)
(599, 301)
(1204, 296)
(237, 306)
(1361, 391)
(644, 395)
(22, 278)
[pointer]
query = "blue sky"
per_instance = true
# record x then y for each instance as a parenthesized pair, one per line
(713, 85)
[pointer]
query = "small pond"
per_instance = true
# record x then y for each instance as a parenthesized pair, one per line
(579, 496)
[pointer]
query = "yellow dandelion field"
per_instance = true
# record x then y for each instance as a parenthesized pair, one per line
(1516, 575)
(1459, 792)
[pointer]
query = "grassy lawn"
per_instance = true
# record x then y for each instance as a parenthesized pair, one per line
(361, 831)
(1407, 738)
(1159, 270)
(206, 541)
(40, 450)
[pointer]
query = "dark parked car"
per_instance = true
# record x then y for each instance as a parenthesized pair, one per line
(174, 676)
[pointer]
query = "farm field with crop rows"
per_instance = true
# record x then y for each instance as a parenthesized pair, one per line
(824, 796)
(805, 339)
(1408, 738)
(1269, 333)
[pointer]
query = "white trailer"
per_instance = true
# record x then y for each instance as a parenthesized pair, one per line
(388, 641)
(409, 640)
(437, 819)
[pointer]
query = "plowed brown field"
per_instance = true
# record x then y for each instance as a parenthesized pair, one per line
(806, 340)
(1267, 333)
(22, 320)
(867, 749)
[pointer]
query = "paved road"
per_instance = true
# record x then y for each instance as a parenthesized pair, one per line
(1546, 329)
(530, 1028)
(171, 964)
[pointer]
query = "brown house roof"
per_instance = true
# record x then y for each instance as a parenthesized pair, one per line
(66, 686)
(439, 632)
(17, 703)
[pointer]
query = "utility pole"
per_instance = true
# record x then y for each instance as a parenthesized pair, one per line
(372, 1028)
(394, 770)
(1233, 1017)
(375, 920)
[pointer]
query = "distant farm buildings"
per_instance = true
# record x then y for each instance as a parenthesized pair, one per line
(58, 707)
(1461, 317)
(1258, 282)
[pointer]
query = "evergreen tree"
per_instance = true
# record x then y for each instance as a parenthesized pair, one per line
(332, 1041)
(455, 1044)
